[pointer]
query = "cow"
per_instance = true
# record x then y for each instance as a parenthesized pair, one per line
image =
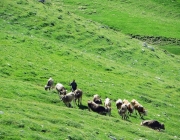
(119, 103)
(60, 89)
(130, 108)
(49, 84)
(68, 98)
(154, 124)
(78, 96)
(133, 102)
(123, 111)
(138, 108)
(97, 108)
(141, 110)
(97, 99)
(107, 104)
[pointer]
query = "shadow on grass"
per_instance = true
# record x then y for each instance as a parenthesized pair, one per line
(137, 116)
(83, 107)
(120, 118)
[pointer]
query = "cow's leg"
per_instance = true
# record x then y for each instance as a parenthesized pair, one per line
(141, 116)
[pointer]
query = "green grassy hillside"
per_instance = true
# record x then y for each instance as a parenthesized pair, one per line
(39, 41)
(153, 21)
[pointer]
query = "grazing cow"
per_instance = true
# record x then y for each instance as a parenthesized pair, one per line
(97, 99)
(119, 103)
(138, 107)
(142, 112)
(125, 101)
(107, 104)
(68, 98)
(78, 96)
(97, 108)
(130, 108)
(60, 89)
(153, 124)
(133, 102)
(108, 110)
(49, 84)
(123, 111)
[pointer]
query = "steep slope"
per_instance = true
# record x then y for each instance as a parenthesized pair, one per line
(153, 21)
(42, 40)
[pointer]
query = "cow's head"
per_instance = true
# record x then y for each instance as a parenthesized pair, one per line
(162, 126)
(46, 87)
(62, 97)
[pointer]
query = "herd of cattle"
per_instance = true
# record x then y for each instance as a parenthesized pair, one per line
(124, 107)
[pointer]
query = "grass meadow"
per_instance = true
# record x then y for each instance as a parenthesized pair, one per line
(88, 41)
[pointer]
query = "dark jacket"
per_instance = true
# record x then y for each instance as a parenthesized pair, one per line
(73, 85)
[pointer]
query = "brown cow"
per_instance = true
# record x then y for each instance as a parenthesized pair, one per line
(130, 108)
(78, 96)
(138, 107)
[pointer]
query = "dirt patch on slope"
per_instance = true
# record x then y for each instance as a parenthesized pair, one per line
(157, 39)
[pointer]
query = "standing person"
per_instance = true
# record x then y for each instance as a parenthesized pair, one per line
(73, 84)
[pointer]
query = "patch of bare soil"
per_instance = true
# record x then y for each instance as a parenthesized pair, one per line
(157, 39)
